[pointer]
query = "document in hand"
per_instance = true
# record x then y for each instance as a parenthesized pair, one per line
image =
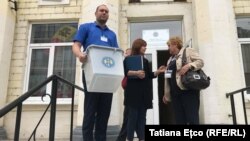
(134, 62)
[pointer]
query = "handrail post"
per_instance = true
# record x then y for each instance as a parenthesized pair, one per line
(53, 109)
(233, 109)
(18, 122)
(18, 103)
(72, 112)
(244, 106)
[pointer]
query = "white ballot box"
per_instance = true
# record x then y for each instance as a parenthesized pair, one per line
(103, 69)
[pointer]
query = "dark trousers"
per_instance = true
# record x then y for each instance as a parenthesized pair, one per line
(97, 108)
(123, 133)
(186, 107)
(136, 122)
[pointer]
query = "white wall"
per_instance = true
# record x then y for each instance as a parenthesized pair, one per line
(216, 38)
(7, 22)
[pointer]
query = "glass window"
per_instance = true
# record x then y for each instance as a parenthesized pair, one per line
(38, 69)
(245, 49)
(135, 1)
(243, 30)
(53, 33)
(64, 66)
(243, 27)
(53, 2)
(156, 34)
(54, 57)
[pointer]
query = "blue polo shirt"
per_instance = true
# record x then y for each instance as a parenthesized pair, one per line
(91, 33)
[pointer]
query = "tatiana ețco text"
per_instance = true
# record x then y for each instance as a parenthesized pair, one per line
(194, 133)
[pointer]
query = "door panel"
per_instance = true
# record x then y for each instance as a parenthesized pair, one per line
(166, 115)
(156, 35)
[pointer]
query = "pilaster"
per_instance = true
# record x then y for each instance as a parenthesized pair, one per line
(216, 40)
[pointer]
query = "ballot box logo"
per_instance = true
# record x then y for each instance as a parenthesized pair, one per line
(108, 62)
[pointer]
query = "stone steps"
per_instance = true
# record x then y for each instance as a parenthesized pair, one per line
(112, 133)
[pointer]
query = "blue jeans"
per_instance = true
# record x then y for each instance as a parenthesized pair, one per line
(136, 122)
(97, 107)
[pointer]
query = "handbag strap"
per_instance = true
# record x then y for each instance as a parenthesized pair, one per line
(184, 58)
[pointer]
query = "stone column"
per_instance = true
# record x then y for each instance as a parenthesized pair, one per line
(216, 40)
(7, 22)
(88, 15)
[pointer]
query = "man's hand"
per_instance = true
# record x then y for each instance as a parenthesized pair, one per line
(76, 48)
(82, 56)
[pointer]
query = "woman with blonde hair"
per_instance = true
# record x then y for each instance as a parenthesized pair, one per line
(185, 102)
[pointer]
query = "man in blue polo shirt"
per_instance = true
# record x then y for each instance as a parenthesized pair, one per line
(97, 105)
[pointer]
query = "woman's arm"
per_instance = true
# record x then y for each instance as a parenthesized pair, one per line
(194, 58)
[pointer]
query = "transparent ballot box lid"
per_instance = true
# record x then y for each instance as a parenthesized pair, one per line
(103, 69)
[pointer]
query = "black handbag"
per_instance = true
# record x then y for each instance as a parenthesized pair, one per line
(194, 80)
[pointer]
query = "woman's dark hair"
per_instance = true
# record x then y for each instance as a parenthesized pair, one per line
(136, 46)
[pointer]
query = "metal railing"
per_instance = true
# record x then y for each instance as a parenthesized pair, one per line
(231, 95)
(18, 103)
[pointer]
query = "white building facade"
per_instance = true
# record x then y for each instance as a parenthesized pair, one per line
(35, 42)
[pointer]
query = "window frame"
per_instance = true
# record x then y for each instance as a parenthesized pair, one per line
(145, 1)
(156, 0)
(51, 47)
(240, 42)
(241, 17)
(51, 2)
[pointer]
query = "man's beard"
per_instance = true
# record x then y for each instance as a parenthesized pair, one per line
(102, 21)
